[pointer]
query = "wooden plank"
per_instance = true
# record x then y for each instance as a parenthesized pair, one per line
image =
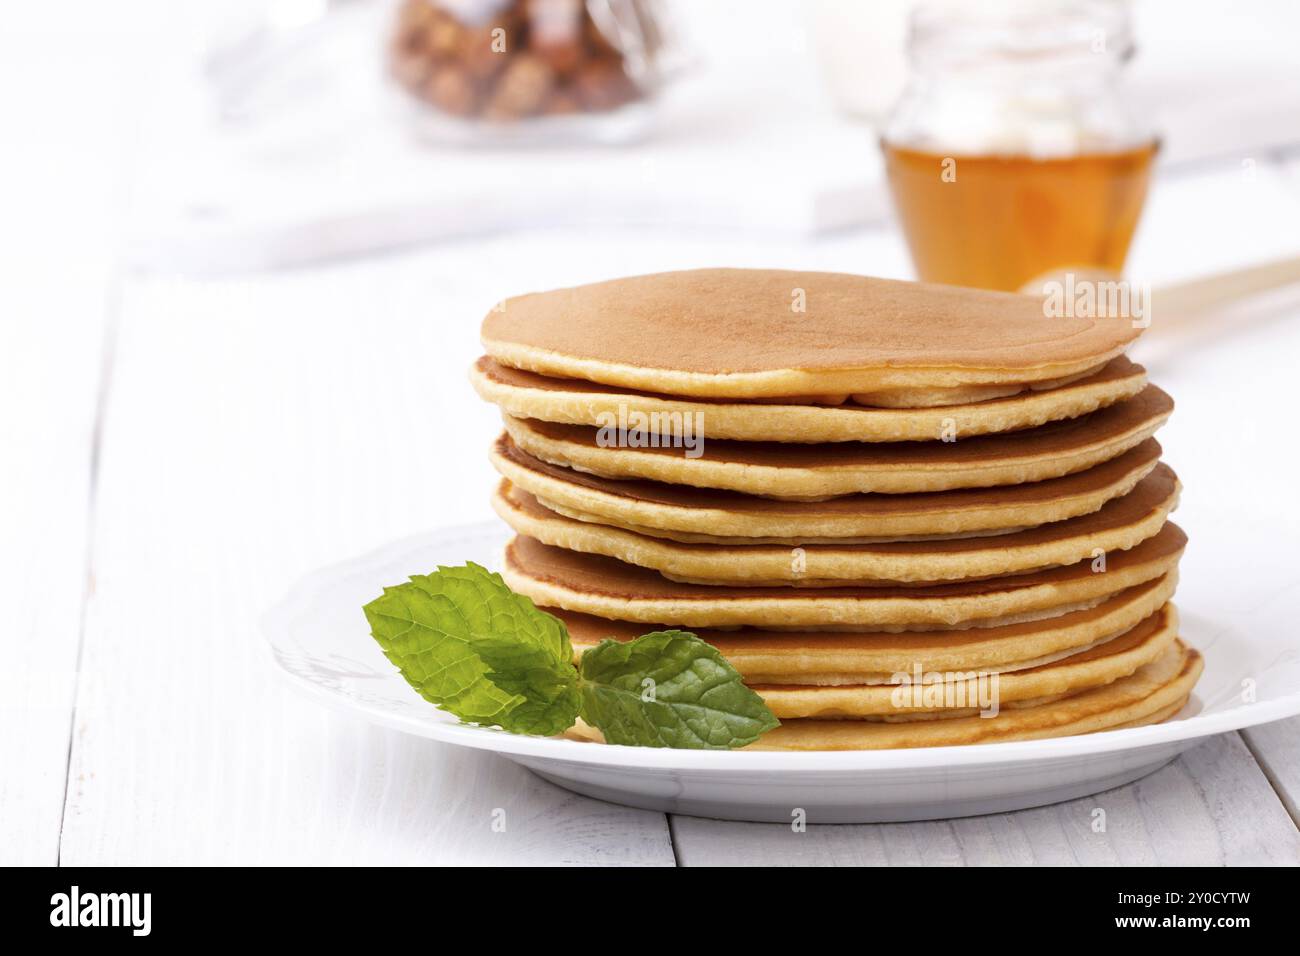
(1277, 748)
(1210, 807)
(62, 139)
(258, 430)
(47, 410)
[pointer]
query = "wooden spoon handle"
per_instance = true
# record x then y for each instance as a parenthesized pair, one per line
(1209, 293)
(1184, 302)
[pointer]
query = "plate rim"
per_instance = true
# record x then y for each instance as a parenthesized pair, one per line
(444, 727)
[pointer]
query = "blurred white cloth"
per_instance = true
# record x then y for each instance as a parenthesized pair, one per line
(325, 167)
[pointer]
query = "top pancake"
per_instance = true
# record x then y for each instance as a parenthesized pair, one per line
(738, 333)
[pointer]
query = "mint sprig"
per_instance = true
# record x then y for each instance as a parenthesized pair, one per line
(669, 689)
(474, 648)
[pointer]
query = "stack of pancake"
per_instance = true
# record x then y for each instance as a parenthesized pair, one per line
(908, 514)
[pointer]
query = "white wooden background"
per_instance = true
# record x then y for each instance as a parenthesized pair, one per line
(179, 451)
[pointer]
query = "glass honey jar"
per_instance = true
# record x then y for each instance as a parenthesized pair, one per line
(1013, 151)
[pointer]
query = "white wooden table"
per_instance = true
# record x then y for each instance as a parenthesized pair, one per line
(178, 452)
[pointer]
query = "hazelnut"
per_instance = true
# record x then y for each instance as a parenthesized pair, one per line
(443, 34)
(414, 15)
(563, 58)
(408, 35)
(560, 103)
(602, 85)
(487, 48)
(520, 89)
(452, 91)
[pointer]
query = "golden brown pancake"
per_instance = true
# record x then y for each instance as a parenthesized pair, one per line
(1120, 524)
(829, 658)
(1153, 693)
(790, 471)
(573, 401)
(970, 690)
(742, 333)
(611, 589)
(709, 515)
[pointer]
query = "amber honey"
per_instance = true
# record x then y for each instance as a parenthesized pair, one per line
(998, 221)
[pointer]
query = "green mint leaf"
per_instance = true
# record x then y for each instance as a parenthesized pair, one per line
(669, 689)
(473, 647)
(549, 687)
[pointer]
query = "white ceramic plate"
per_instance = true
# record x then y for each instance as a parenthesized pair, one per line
(321, 643)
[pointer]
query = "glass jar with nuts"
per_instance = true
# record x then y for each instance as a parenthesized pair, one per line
(511, 70)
